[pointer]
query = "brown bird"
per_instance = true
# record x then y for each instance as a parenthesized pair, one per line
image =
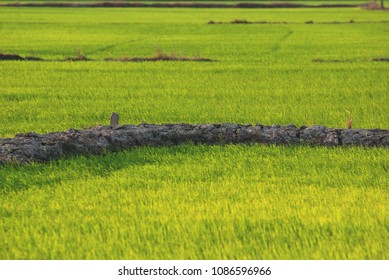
(349, 122)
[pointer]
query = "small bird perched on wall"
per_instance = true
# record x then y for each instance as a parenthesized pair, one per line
(114, 120)
(349, 122)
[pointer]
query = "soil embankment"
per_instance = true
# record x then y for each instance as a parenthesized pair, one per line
(33, 147)
(173, 4)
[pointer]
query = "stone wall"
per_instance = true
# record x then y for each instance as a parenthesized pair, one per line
(33, 147)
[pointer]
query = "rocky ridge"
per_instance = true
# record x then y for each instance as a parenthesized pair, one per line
(33, 147)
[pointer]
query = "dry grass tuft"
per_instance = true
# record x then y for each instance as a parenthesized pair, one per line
(79, 57)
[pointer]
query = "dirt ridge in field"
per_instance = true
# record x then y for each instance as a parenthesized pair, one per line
(159, 56)
(244, 21)
(121, 4)
(33, 147)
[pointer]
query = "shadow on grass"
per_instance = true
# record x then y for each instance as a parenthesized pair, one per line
(17, 177)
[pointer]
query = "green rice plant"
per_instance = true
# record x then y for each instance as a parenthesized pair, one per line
(196, 202)
(199, 202)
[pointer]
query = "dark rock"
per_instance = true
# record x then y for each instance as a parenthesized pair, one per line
(319, 135)
(365, 137)
(279, 135)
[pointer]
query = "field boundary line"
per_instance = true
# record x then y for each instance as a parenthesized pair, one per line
(33, 147)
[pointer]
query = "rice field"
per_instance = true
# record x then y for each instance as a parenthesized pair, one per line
(196, 202)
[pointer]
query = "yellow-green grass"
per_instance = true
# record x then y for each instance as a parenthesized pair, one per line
(54, 96)
(196, 202)
(264, 73)
(60, 32)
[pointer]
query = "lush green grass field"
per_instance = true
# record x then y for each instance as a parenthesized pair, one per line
(188, 202)
(233, 202)
(264, 73)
